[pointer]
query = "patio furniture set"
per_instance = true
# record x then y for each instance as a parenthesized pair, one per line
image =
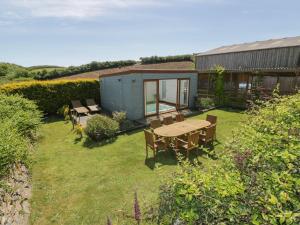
(181, 134)
(79, 110)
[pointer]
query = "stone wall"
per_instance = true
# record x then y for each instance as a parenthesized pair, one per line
(14, 197)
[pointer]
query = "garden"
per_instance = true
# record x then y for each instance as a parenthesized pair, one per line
(80, 180)
(250, 176)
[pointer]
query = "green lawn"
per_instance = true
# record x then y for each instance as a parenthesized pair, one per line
(77, 182)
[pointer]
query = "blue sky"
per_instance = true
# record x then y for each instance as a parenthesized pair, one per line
(74, 32)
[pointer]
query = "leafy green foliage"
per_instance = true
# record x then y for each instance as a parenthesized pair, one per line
(101, 127)
(50, 96)
(120, 117)
(22, 114)
(71, 70)
(219, 85)
(13, 147)
(9, 71)
(64, 111)
(165, 59)
(19, 119)
(257, 181)
(43, 67)
(206, 103)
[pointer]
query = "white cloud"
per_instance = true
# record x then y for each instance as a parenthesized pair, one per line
(83, 9)
(78, 8)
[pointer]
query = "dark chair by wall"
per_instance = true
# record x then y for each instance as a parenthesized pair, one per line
(92, 105)
(179, 117)
(155, 124)
(168, 120)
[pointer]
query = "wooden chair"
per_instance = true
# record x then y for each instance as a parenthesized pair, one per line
(213, 121)
(153, 143)
(78, 107)
(92, 105)
(208, 136)
(168, 120)
(155, 124)
(179, 117)
(191, 143)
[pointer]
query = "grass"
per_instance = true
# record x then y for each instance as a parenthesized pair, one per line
(79, 182)
(48, 69)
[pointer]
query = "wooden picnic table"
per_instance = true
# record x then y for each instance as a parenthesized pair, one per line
(181, 128)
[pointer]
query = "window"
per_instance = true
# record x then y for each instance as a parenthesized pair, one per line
(164, 89)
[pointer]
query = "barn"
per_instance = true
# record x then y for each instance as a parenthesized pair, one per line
(251, 68)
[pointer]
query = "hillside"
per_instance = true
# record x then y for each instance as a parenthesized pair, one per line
(186, 65)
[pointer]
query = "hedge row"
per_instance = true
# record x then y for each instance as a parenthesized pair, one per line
(20, 120)
(71, 70)
(164, 59)
(52, 95)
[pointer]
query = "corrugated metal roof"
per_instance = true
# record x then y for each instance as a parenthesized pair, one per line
(268, 44)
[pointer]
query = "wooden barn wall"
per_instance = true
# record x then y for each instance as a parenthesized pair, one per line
(288, 57)
(238, 87)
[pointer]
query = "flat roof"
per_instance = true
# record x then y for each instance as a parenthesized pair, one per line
(128, 72)
(258, 45)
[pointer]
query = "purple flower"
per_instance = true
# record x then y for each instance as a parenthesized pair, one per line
(137, 211)
(241, 158)
(109, 221)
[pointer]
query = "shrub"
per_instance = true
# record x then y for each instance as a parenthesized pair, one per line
(19, 119)
(257, 180)
(101, 127)
(127, 124)
(22, 114)
(52, 95)
(64, 111)
(71, 70)
(13, 147)
(120, 117)
(165, 59)
(207, 103)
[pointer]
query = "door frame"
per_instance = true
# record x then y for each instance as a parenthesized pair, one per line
(157, 97)
(178, 93)
(177, 105)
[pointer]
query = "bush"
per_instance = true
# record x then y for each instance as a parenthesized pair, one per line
(127, 125)
(64, 111)
(13, 147)
(22, 114)
(52, 95)
(165, 59)
(19, 119)
(71, 70)
(207, 103)
(101, 127)
(120, 117)
(257, 180)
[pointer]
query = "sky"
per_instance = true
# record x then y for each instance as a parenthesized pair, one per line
(75, 32)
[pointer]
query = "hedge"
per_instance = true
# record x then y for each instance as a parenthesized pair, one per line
(52, 95)
(165, 59)
(71, 70)
(20, 120)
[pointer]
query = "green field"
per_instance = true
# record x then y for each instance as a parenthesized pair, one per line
(79, 182)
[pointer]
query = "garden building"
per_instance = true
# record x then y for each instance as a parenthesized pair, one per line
(143, 93)
(251, 68)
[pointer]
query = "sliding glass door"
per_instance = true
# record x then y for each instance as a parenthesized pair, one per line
(165, 95)
(184, 86)
(150, 94)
